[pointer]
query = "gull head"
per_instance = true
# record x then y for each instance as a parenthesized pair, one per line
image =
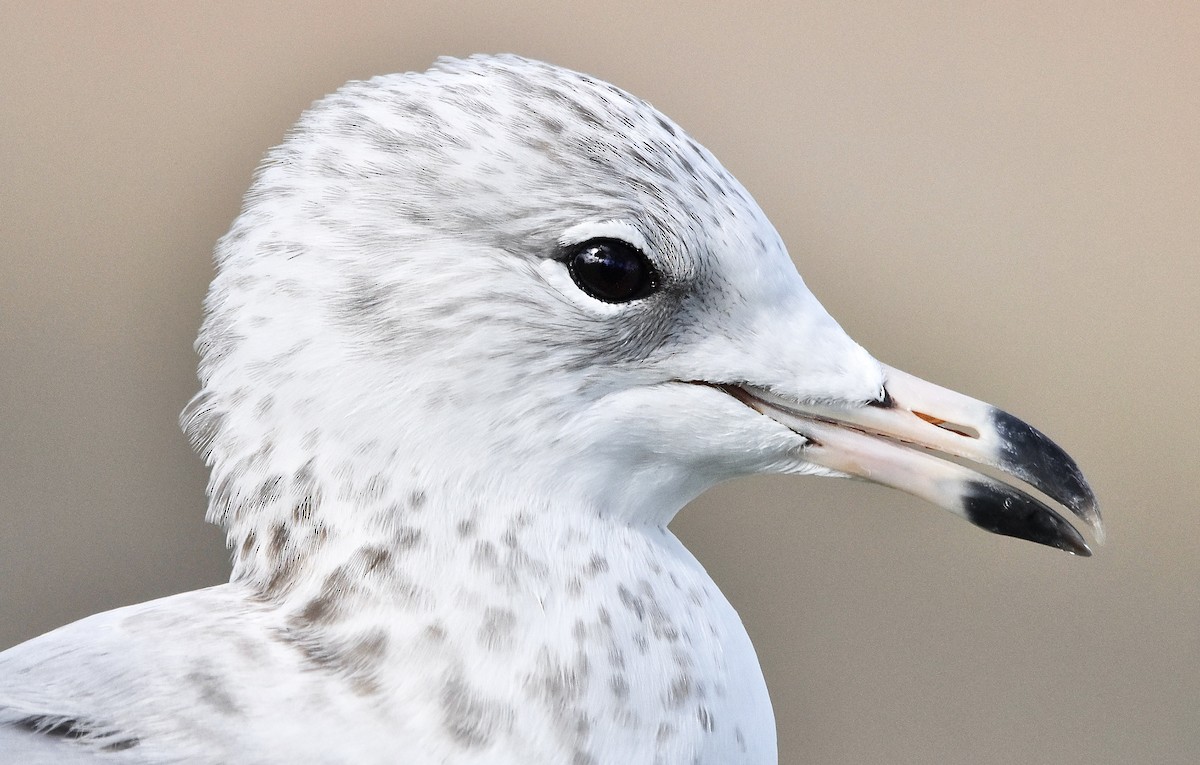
(502, 278)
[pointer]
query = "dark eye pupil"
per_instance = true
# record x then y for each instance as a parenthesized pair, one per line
(611, 270)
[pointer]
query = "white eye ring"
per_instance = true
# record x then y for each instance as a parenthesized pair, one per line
(555, 273)
(607, 229)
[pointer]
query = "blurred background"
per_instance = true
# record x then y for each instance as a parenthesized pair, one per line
(1000, 197)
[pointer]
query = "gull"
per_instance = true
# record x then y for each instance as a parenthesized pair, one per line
(476, 336)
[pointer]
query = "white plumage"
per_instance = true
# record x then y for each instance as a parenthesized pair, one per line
(445, 465)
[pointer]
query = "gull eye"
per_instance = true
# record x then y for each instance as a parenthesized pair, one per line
(611, 270)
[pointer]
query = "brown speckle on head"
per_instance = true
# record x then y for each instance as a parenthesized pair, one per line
(619, 686)
(375, 488)
(597, 564)
(416, 500)
(279, 541)
(681, 689)
(664, 733)
(496, 628)
(616, 656)
(282, 576)
(268, 491)
(560, 686)
(264, 405)
(632, 602)
(320, 610)
(558, 682)
(249, 543)
(327, 606)
(472, 720)
(641, 643)
(302, 511)
(305, 475)
(661, 622)
(257, 460)
(356, 660)
(484, 556)
(574, 587)
(373, 560)
(406, 538)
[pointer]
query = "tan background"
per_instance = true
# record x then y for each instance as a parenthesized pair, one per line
(1004, 198)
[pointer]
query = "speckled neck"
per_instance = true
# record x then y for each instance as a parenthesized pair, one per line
(606, 637)
(290, 529)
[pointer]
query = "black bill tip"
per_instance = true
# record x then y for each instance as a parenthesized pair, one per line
(1031, 456)
(1005, 510)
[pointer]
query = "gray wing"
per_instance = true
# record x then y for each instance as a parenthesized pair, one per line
(28, 743)
(122, 687)
(203, 678)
